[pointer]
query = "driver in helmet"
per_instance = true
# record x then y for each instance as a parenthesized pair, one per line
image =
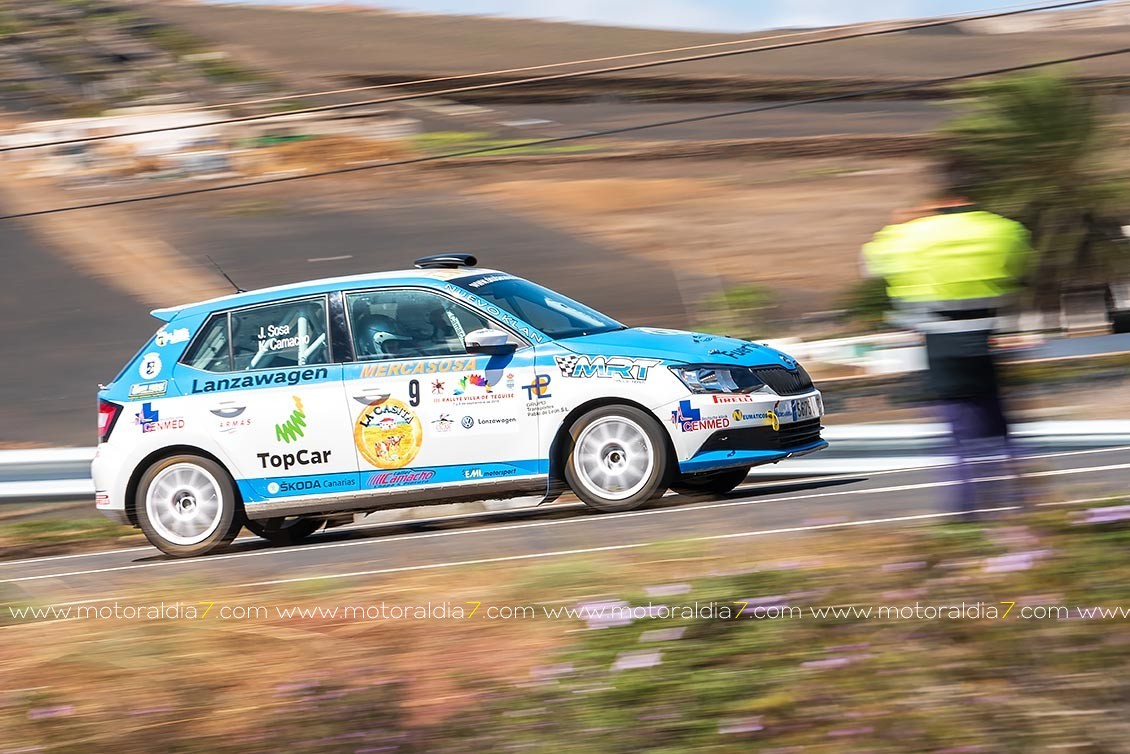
(378, 337)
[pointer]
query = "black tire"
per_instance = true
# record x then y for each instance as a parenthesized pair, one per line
(179, 520)
(282, 532)
(644, 440)
(712, 482)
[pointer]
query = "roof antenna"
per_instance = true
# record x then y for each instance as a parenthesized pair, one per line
(226, 276)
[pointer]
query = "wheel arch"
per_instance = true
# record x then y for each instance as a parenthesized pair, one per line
(563, 441)
(167, 452)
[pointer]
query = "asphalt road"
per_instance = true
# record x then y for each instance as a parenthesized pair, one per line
(63, 333)
(748, 517)
(853, 118)
(895, 117)
(361, 227)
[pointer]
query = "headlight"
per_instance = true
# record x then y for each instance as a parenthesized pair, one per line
(711, 379)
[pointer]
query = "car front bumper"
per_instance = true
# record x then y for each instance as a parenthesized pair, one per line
(719, 431)
(716, 460)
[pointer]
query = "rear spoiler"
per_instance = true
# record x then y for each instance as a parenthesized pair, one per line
(166, 315)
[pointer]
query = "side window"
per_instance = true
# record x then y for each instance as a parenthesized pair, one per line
(211, 350)
(405, 324)
(290, 334)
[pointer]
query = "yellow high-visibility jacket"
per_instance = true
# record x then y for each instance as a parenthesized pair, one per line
(960, 257)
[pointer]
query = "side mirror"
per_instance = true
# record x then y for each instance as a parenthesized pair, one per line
(488, 341)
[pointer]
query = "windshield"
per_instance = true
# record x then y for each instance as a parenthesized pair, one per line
(555, 315)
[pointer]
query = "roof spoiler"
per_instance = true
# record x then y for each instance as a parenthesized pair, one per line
(166, 315)
(446, 261)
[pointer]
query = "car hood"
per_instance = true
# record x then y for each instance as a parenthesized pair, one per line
(677, 346)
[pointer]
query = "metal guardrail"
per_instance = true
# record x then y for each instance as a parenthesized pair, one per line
(46, 474)
(63, 474)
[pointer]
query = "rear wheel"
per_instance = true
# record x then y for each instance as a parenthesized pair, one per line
(711, 483)
(618, 459)
(187, 505)
(284, 531)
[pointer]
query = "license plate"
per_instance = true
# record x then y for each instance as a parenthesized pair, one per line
(807, 408)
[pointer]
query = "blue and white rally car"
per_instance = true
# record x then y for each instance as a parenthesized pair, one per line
(290, 408)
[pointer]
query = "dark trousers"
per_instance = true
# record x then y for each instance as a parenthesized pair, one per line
(963, 379)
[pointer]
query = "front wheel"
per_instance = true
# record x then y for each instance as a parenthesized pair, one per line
(711, 483)
(187, 505)
(284, 531)
(618, 459)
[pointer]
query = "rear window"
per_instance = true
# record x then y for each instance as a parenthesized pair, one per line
(212, 349)
(275, 336)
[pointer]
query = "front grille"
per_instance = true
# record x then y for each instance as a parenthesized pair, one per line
(784, 381)
(794, 435)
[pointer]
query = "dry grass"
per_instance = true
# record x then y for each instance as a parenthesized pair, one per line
(329, 685)
(224, 677)
(322, 153)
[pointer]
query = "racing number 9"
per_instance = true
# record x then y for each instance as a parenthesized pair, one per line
(414, 393)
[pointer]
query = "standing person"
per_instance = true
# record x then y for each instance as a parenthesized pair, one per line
(950, 270)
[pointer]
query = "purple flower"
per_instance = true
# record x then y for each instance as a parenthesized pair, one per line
(151, 710)
(636, 659)
(666, 590)
(663, 634)
(607, 614)
(290, 688)
(910, 565)
(1107, 515)
(1015, 561)
(796, 565)
(746, 725)
(850, 647)
(550, 672)
(1008, 536)
(831, 662)
(903, 595)
(861, 731)
(42, 713)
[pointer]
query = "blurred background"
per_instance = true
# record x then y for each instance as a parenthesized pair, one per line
(749, 225)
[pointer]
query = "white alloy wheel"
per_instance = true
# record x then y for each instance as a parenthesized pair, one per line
(187, 505)
(614, 456)
(183, 504)
(618, 458)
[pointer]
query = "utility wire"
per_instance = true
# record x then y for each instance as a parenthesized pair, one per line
(554, 76)
(545, 66)
(523, 69)
(574, 137)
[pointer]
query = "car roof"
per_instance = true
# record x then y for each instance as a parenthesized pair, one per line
(428, 277)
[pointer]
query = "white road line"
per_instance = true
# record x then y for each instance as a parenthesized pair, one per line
(46, 558)
(629, 546)
(341, 258)
(95, 553)
(784, 481)
(738, 535)
(483, 530)
(560, 553)
(559, 522)
(1060, 472)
